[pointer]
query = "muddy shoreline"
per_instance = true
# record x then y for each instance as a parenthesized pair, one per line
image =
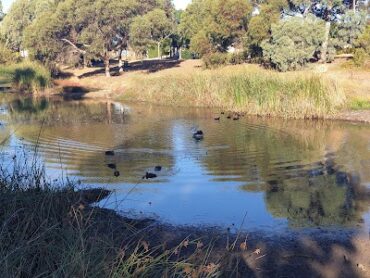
(304, 252)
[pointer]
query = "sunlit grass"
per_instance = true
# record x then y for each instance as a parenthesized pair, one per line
(26, 76)
(252, 90)
(360, 104)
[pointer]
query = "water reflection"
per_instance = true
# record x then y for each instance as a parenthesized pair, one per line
(283, 173)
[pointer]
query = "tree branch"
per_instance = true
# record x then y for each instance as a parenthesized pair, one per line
(74, 46)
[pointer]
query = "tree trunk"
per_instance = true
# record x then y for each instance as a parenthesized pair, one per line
(179, 50)
(120, 63)
(354, 5)
(106, 65)
(324, 50)
(159, 51)
(84, 60)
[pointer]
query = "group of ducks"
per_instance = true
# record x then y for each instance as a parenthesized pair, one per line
(199, 135)
(235, 116)
(148, 175)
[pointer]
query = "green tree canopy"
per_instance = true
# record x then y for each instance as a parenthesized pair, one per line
(215, 25)
(294, 42)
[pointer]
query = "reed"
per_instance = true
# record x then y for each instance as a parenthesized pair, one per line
(26, 76)
(49, 229)
(238, 88)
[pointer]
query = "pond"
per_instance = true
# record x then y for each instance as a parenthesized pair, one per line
(260, 174)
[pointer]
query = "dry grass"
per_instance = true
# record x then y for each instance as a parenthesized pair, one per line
(240, 88)
(312, 92)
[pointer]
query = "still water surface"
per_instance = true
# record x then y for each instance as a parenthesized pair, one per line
(274, 174)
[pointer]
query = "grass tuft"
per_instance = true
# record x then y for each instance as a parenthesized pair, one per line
(27, 76)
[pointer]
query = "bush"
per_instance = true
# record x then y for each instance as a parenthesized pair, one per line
(214, 60)
(294, 42)
(27, 76)
(237, 58)
(359, 57)
(6, 55)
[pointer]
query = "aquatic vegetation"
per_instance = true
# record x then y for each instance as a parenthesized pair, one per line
(27, 76)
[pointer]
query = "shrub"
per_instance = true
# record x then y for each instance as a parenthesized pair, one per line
(27, 76)
(214, 60)
(359, 57)
(294, 42)
(237, 58)
(6, 55)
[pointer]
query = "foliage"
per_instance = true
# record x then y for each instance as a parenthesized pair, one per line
(150, 29)
(348, 29)
(27, 76)
(213, 60)
(6, 55)
(363, 41)
(259, 28)
(294, 42)
(237, 58)
(21, 14)
(359, 57)
(213, 26)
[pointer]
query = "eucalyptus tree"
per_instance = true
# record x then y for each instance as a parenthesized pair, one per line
(259, 27)
(20, 15)
(215, 25)
(294, 42)
(151, 28)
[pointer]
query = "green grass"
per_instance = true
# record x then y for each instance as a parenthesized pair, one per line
(26, 76)
(255, 91)
(359, 104)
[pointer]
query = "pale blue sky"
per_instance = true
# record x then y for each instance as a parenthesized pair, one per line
(180, 4)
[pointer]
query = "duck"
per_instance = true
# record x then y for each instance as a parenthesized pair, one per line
(158, 168)
(217, 118)
(112, 165)
(116, 173)
(236, 117)
(109, 153)
(198, 135)
(149, 176)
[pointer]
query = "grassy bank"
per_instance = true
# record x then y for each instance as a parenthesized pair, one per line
(240, 88)
(26, 76)
(52, 231)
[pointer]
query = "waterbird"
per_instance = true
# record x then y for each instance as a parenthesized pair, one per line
(158, 168)
(229, 116)
(112, 165)
(109, 153)
(149, 176)
(117, 174)
(217, 118)
(198, 135)
(236, 117)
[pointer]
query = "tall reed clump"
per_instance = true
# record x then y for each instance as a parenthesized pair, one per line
(255, 91)
(27, 76)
